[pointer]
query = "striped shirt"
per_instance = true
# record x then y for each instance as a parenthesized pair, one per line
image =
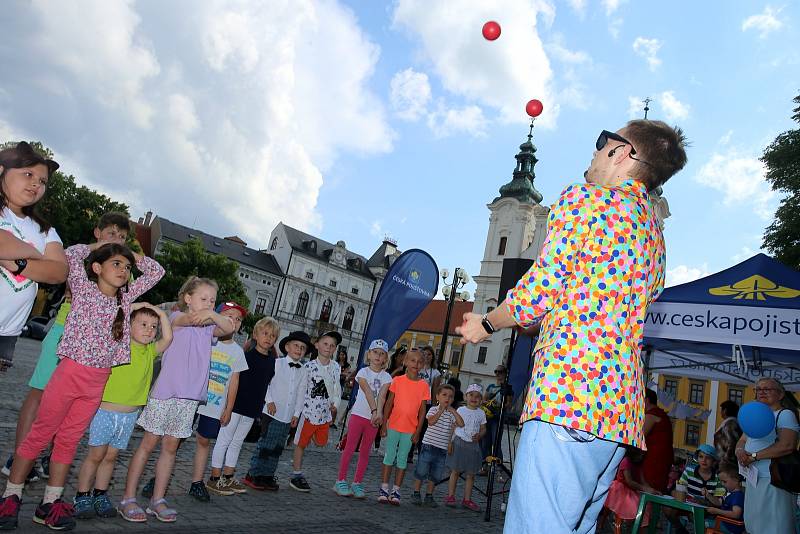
(692, 484)
(438, 435)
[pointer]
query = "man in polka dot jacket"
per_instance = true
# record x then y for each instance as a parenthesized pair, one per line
(601, 266)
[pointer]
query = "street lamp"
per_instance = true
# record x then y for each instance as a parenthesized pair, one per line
(450, 292)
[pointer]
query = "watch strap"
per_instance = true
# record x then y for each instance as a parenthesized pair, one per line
(487, 325)
(21, 264)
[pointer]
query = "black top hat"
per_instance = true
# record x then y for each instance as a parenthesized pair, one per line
(297, 335)
(334, 334)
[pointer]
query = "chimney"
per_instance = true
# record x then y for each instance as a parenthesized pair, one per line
(147, 217)
(140, 221)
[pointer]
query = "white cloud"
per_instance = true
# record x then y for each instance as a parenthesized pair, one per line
(765, 22)
(578, 6)
(744, 254)
(635, 107)
(614, 26)
(740, 180)
(648, 49)
(493, 76)
(410, 93)
(376, 229)
(685, 273)
(725, 139)
(224, 113)
(611, 6)
(560, 52)
(445, 122)
(673, 108)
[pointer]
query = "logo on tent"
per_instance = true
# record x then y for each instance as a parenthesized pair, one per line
(755, 287)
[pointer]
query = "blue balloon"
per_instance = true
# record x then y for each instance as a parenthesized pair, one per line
(756, 419)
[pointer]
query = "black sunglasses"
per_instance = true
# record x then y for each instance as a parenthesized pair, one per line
(605, 135)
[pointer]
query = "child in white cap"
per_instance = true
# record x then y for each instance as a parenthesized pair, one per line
(464, 455)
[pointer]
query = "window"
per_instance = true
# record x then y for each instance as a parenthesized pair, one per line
(302, 304)
(736, 395)
(354, 291)
(347, 324)
(697, 392)
(482, 355)
(332, 283)
(309, 275)
(501, 250)
(692, 434)
(263, 280)
(325, 314)
(274, 244)
(671, 386)
(455, 358)
(261, 303)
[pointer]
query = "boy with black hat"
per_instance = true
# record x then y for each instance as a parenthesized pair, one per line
(282, 395)
(319, 392)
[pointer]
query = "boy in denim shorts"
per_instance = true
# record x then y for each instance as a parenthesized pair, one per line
(442, 420)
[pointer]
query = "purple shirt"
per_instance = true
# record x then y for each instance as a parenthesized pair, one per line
(185, 364)
(87, 335)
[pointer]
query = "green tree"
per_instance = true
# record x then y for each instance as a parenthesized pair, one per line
(250, 321)
(192, 259)
(782, 159)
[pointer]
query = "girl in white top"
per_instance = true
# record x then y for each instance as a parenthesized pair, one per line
(30, 250)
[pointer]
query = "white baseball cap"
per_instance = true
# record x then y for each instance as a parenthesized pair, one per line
(474, 387)
(379, 344)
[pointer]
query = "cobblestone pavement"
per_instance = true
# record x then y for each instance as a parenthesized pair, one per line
(320, 511)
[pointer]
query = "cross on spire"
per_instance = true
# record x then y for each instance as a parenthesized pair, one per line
(646, 102)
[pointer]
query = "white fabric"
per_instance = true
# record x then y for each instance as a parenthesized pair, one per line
(229, 441)
(282, 390)
(786, 419)
(473, 419)
(226, 359)
(375, 381)
(430, 375)
(18, 293)
(314, 404)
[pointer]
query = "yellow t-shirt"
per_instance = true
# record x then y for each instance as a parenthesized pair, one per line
(63, 311)
(129, 384)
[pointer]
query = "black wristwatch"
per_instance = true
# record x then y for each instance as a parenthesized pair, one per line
(487, 325)
(21, 264)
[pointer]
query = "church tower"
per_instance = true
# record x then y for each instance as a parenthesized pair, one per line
(517, 228)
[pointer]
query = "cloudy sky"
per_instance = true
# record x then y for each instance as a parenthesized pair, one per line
(358, 119)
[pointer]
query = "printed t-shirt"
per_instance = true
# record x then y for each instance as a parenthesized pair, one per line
(375, 381)
(253, 383)
(408, 395)
(17, 293)
(226, 359)
(319, 390)
(692, 484)
(185, 364)
(438, 435)
(473, 419)
(129, 383)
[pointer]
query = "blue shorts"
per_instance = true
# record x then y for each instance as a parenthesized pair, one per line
(208, 427)
(430, 464)
(112, 428)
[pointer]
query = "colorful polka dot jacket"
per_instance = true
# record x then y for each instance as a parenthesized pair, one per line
(601, 266)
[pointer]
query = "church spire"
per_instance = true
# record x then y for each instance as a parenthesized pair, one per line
(521, 185)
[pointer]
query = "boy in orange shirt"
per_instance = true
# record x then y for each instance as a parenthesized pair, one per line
(403, 414)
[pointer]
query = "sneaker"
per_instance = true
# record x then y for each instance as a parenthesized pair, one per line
(394, 498)
(45, 467)
(103, 506)
(198, 491)
(271, 484)
(33, 475)
(429, 502)
(147, 490)
(416, 499)
(257, 483)
(84, 507)
(342, 489)
(358, 490)
(383, 496)
(234, 485)
(9, 511)
(450, 500)
(300, 483)
(56, 515)
(470, 505)
(217, 486)
(6, 469)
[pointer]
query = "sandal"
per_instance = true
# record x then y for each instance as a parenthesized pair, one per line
(130, 510)
(162, 511)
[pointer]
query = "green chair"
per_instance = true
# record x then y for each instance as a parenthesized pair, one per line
(698, 513)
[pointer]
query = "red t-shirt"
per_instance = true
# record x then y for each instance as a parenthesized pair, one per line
(408, 396)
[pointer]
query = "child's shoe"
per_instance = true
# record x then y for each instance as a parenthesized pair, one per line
(416, 499)
(300, 483)
(270, 484)
(234, 485)
(450, 500)
(198, 491)
(394, 498)
(470, 505)
(103, 506)
(147, 490)
(257, 483)
(9, 512)
(342, 489)
(45, 466)
(383, 496)
(56, 515)
(6, 469)
(357, 489)
(84, 507)
(429, 502)
(216, 486)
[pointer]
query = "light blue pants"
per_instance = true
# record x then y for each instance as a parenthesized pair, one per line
(560, 480)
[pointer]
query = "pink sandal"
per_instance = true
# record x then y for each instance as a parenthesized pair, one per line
(130, 510)
(162, 511)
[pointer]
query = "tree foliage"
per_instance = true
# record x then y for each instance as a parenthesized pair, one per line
(782, 159)
(180, 261)
(250, 321)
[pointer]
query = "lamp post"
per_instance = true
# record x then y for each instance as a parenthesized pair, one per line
(450, 292)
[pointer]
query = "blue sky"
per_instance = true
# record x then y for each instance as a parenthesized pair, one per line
(356, 119)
